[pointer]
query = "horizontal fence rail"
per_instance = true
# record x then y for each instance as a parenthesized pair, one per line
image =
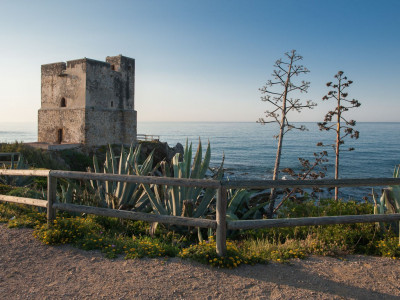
(310, 221)
(38, 173)
(204, 183)
(262, 184)
(107, 212)
(12, 160)
(7, 154)
(220, 224)
(147, 137)
(22, 200)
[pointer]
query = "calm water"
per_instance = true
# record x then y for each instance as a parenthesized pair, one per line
(250, 147)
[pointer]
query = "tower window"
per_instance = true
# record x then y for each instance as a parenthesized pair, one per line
(63, 102)
(113, 67)
(112, 103)
(129, 68)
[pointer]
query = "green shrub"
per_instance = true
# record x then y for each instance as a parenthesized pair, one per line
(36, 158)
(115, 236)
(5, 189)
(389, 247)
(66, 230)
(29, 220)
(76, 160)
(26, 193)
(149, 247)
(205, 252)
(19, 215)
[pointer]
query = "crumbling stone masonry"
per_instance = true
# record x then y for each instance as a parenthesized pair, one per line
(88, 102)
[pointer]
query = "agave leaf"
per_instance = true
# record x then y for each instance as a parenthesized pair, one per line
(165, 169)
(143, 201)
(108, 186)
(231, 217)
(187, 157)
(382, 205)
(96, 170)
(121, 171)
(175, 165)
(176, 191)
(12, 161)
(253, 210)
(236, 201)
(204, 203)
(206, 162)
(396, 172)
(129, 161)
(135, 159)
(134, 194)
(157, 206)
(188, 163)
(122, 162)
(197, 162)
(199, 235)
(175, 200)
(167, 198)
(128, 189)
(390, 207)
(147, 165)
(395, 194)
(113, 160)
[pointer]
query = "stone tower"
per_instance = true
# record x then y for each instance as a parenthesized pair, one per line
(88, 102)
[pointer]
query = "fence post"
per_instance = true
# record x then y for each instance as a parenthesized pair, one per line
(51, 198)
(221, 221)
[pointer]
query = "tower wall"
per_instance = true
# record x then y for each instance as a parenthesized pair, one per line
(120, 127)
(71, 122)
(88, 101)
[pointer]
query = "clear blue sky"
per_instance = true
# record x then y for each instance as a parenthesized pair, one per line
(205, 60)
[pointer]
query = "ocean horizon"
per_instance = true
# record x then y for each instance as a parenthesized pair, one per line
(250, 148)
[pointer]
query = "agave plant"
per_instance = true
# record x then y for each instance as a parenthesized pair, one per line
(20, 181)
(122, 195)
(78, 192)
(184, 201)
(389, 202)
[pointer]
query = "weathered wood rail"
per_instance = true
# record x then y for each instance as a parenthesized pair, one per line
(147, 137)
(12, 156)
(220, 224)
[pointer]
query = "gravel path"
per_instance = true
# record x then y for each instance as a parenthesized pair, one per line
(30, 270)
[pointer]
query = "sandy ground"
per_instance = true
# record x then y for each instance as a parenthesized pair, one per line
(30, 270)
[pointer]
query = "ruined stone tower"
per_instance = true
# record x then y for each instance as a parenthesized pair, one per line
(88, 102)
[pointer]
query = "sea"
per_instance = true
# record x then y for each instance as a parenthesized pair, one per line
(249, 148)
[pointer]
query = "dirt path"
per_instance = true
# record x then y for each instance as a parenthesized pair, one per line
(30, 270)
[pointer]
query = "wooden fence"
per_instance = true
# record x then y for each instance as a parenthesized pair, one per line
(220, 224)
(12, 155)
(147, 137)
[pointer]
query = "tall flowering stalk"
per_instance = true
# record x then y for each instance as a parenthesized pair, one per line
(342, 127)
(276, 92)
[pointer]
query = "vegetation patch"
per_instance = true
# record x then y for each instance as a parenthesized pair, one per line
(115, 237)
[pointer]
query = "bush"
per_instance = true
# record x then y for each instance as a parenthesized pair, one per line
(5, 189)
(36, 158)
(88, 234)
(66, 230)
(76, 160)
(389, 247)
(205, 252)
(26, 193)
(19, 215)
(115, 237)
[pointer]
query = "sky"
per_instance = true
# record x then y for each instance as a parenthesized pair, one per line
(206, 60)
